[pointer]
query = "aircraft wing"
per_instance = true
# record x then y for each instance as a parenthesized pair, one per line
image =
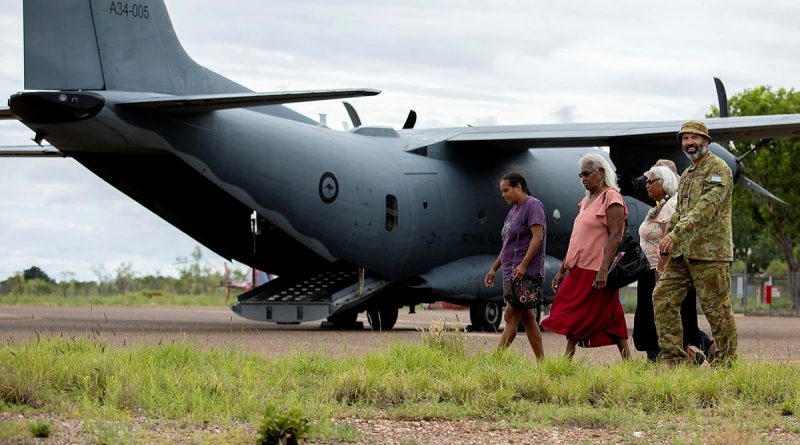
(5, 113)
(211, 102)
(607, 134)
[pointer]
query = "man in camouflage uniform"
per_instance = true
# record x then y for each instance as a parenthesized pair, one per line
(699, 243)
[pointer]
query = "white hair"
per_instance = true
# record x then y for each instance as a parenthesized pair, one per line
(668, 179)
(597, 161)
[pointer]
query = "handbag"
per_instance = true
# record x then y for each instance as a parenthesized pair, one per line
(628, 263)
(527, 292)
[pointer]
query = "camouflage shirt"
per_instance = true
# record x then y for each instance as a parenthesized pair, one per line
(701, 224)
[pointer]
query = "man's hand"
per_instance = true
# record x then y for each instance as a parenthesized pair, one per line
(666, 245)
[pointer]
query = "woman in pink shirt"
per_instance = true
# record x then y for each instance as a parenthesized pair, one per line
(584, 310)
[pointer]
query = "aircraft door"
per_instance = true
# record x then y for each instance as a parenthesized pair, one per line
(429, 215)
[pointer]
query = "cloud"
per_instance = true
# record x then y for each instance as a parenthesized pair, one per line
(57, 215)
(567, 114)
(486, 121)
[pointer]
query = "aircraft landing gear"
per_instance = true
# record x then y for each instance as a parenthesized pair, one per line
(486, 315)
(382, 318)
(343, 320)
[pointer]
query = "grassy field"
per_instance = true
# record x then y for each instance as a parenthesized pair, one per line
(107, 390)
(130, 299)
(627, 295)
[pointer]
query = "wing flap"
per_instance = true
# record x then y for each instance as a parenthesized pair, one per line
(212, 102)
(30, 151)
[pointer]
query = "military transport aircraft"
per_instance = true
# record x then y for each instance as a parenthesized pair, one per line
(368, 219)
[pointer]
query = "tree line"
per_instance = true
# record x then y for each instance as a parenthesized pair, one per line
(194, 278)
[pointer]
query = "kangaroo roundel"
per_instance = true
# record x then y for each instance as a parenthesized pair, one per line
(328, 187)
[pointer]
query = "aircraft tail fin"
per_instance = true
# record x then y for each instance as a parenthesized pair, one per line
(111, 45)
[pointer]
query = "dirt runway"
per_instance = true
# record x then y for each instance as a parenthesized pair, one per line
(760, 338)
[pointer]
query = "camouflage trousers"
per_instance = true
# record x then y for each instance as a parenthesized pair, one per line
(712, 280)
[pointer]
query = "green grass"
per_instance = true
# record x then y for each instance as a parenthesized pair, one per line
(13, 428)
(41, 428)
(102, 432)
(131, 299)
(434, 379)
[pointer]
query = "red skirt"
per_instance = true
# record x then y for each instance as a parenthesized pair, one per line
(587, 316)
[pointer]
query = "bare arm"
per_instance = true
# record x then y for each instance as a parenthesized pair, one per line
(537, 234)
(615, 218)
(488, 280)
(558, 278)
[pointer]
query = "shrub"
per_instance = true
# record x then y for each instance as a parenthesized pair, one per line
(282, 427)
(41, 428)
(447, 338)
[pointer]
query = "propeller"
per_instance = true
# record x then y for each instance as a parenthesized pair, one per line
(411, 120)
(722, 97)
(737, 168)
(735, 163)
(747, 182)
(351, 111)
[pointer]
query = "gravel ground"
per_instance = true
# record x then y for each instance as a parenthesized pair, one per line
(372, 431)
(760, 338)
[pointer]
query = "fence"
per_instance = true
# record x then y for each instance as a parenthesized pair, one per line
(747, 296)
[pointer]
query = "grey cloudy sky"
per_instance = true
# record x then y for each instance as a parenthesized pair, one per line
(454, 62)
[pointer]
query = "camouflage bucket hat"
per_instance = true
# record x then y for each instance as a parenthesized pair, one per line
(695, 127)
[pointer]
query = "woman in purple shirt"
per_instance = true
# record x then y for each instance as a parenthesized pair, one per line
(522, 254)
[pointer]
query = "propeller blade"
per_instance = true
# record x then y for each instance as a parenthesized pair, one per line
(410, 120)
(721, 97)
(747, 182)
(353, 114)
(762, 143)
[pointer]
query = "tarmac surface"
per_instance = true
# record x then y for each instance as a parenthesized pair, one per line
(760, 338)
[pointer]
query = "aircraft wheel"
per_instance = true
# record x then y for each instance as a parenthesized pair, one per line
(486, 315)
(382, 318)
(343, 320)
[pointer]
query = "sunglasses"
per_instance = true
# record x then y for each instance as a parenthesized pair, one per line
(652, 181)
(586, 174)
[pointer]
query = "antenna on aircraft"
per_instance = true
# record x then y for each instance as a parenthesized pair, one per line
(411, 120)
(323, 119)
